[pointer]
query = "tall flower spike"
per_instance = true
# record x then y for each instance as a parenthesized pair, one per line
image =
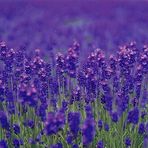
(74, 121)
(145, 143)
(100, 124)
(127, 142)
(4, 121)
(88, 131)
(3, 51)
(54, 122)
(100, 144)
(3, 144)
(133, 116)
(141, 128)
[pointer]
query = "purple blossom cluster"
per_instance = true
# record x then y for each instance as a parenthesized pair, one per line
(79, 100)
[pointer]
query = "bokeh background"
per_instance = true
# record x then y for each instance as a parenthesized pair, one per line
(53, 25)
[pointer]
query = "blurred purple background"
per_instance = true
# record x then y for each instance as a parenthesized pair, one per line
(54, 24)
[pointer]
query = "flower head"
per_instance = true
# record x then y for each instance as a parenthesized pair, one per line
(3, 144)
(133, 116)
(100, 144)
(74, 121)
(4, 121)
(141, 128)
(54, 122)
(127, 141)
(88, 131)
(16, 128)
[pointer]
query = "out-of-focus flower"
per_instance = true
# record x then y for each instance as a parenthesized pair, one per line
(100, 124)
(106, 127)
(54, 122)
(58, 145)
(145, 142)
(75, 146)
(16, 128)
(16, 143)
(133, 116)
(127, 141)
(74, 122)
(88, 131)
(3, 144)
(100, 144)
(114, 117)
(141, 128)
(4, 121)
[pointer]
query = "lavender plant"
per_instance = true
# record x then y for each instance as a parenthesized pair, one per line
(100, 103)
(73, 79)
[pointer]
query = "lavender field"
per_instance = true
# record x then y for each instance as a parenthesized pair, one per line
(73, 74)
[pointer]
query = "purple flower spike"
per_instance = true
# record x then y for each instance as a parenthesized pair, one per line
(58, 145)
(100, 124)
(4, 121)
(3, 144)
(100, 144)
(114, 117)
(74, 122)
(133, 116)
(127, 142)
(88, 131)
(54, 122)
(141, 129)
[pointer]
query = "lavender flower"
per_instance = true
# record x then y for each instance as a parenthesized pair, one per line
(16, 143)
(100, 144)
(141, 129)
(133, 116)
(88, 131)
(3, 144)
(114, 117)
(106, 127)
(4, 121)
(54, 122)
(127, 142)
(58, 145)
(100, 124)
(16, 129)
(74, 121)
(145, 144)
